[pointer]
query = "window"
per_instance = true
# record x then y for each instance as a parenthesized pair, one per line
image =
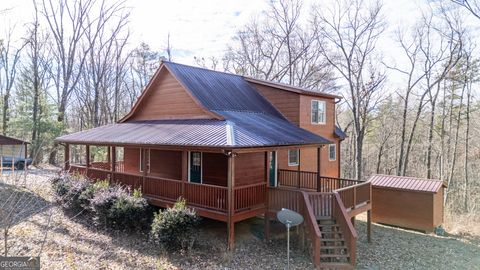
(318, 112)
(195, 170)
(332, 152)
(293, 157)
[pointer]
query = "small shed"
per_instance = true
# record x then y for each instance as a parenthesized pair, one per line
(414, 203)
(11, 147)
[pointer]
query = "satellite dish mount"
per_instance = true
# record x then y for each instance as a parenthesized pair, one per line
(290, 219)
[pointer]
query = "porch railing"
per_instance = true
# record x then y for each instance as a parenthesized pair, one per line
(98, 174)
(74, 168)
(312, 181)
(119, 166)
(343, 219)
(165, 188)
(207, 196)
(250, 196)
(129, 180)
(353, 196)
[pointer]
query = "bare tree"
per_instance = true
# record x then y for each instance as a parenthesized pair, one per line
(277, 47)
(473, 6)
(350, 31)
(9, 58)
(68, 23)
(103, 37)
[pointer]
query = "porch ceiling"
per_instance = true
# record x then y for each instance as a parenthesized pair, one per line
(242, 129)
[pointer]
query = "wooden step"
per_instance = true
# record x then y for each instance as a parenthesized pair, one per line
(333, 239)
(332, 247)
(332, 232)
(346, 255)
(327, 225)
(336, 265)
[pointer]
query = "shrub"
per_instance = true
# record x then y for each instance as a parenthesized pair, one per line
(175, 228)
(129, 211)
(89, 192)
(102, 201)
(110, 206)
(68, 189)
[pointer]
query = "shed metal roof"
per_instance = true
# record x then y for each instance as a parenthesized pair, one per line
(5, 140)
(406, 183)
(240, 130)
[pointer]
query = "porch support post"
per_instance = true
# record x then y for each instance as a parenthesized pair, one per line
(184, 171)
(87, 158)
(112, 157)
(339, 161)
(369, 226)
(319, 151)
(231, 200)
(109, 156)
(145, 169)
(66, 156)
(266, 231)
(26, 156)
(298, 168)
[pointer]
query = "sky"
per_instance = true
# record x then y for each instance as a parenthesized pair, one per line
(204, 28)
(197, 28)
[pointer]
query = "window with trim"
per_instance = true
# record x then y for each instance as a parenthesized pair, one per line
(332, 152)
(293, 157)
(318, 112)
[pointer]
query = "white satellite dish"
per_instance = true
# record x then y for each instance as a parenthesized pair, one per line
(290, 219)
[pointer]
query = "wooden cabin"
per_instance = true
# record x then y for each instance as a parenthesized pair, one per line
(409, 202)
(234, 148)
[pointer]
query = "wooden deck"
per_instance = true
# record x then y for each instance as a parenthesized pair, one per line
(210, 201)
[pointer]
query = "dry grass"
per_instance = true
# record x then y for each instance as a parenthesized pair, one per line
(73, 243)
(396, 248)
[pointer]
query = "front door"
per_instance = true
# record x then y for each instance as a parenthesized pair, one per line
(273, 168)
(196, 167)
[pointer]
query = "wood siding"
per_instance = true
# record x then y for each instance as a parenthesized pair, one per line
(214, 169)
(308, 157)
(408, 209)
(249, 168)
(166, 164)
(167, 99)
(131, 157)
(287, 103)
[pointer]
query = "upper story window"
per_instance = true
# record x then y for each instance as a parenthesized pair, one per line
(293, 157)
(319, 115)
(332, 152)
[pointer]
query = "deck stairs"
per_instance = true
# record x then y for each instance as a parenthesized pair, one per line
(334, 253)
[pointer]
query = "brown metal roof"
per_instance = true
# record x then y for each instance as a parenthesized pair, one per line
(4, 140)
(406, 183)
(291, 88)
(242, 129)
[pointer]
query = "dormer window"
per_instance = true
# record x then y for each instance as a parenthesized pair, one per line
(319, 115)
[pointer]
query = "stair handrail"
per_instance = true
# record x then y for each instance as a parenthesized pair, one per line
(345, 223)
(312, 227)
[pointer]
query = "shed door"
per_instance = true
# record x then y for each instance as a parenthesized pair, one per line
(195, 167)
